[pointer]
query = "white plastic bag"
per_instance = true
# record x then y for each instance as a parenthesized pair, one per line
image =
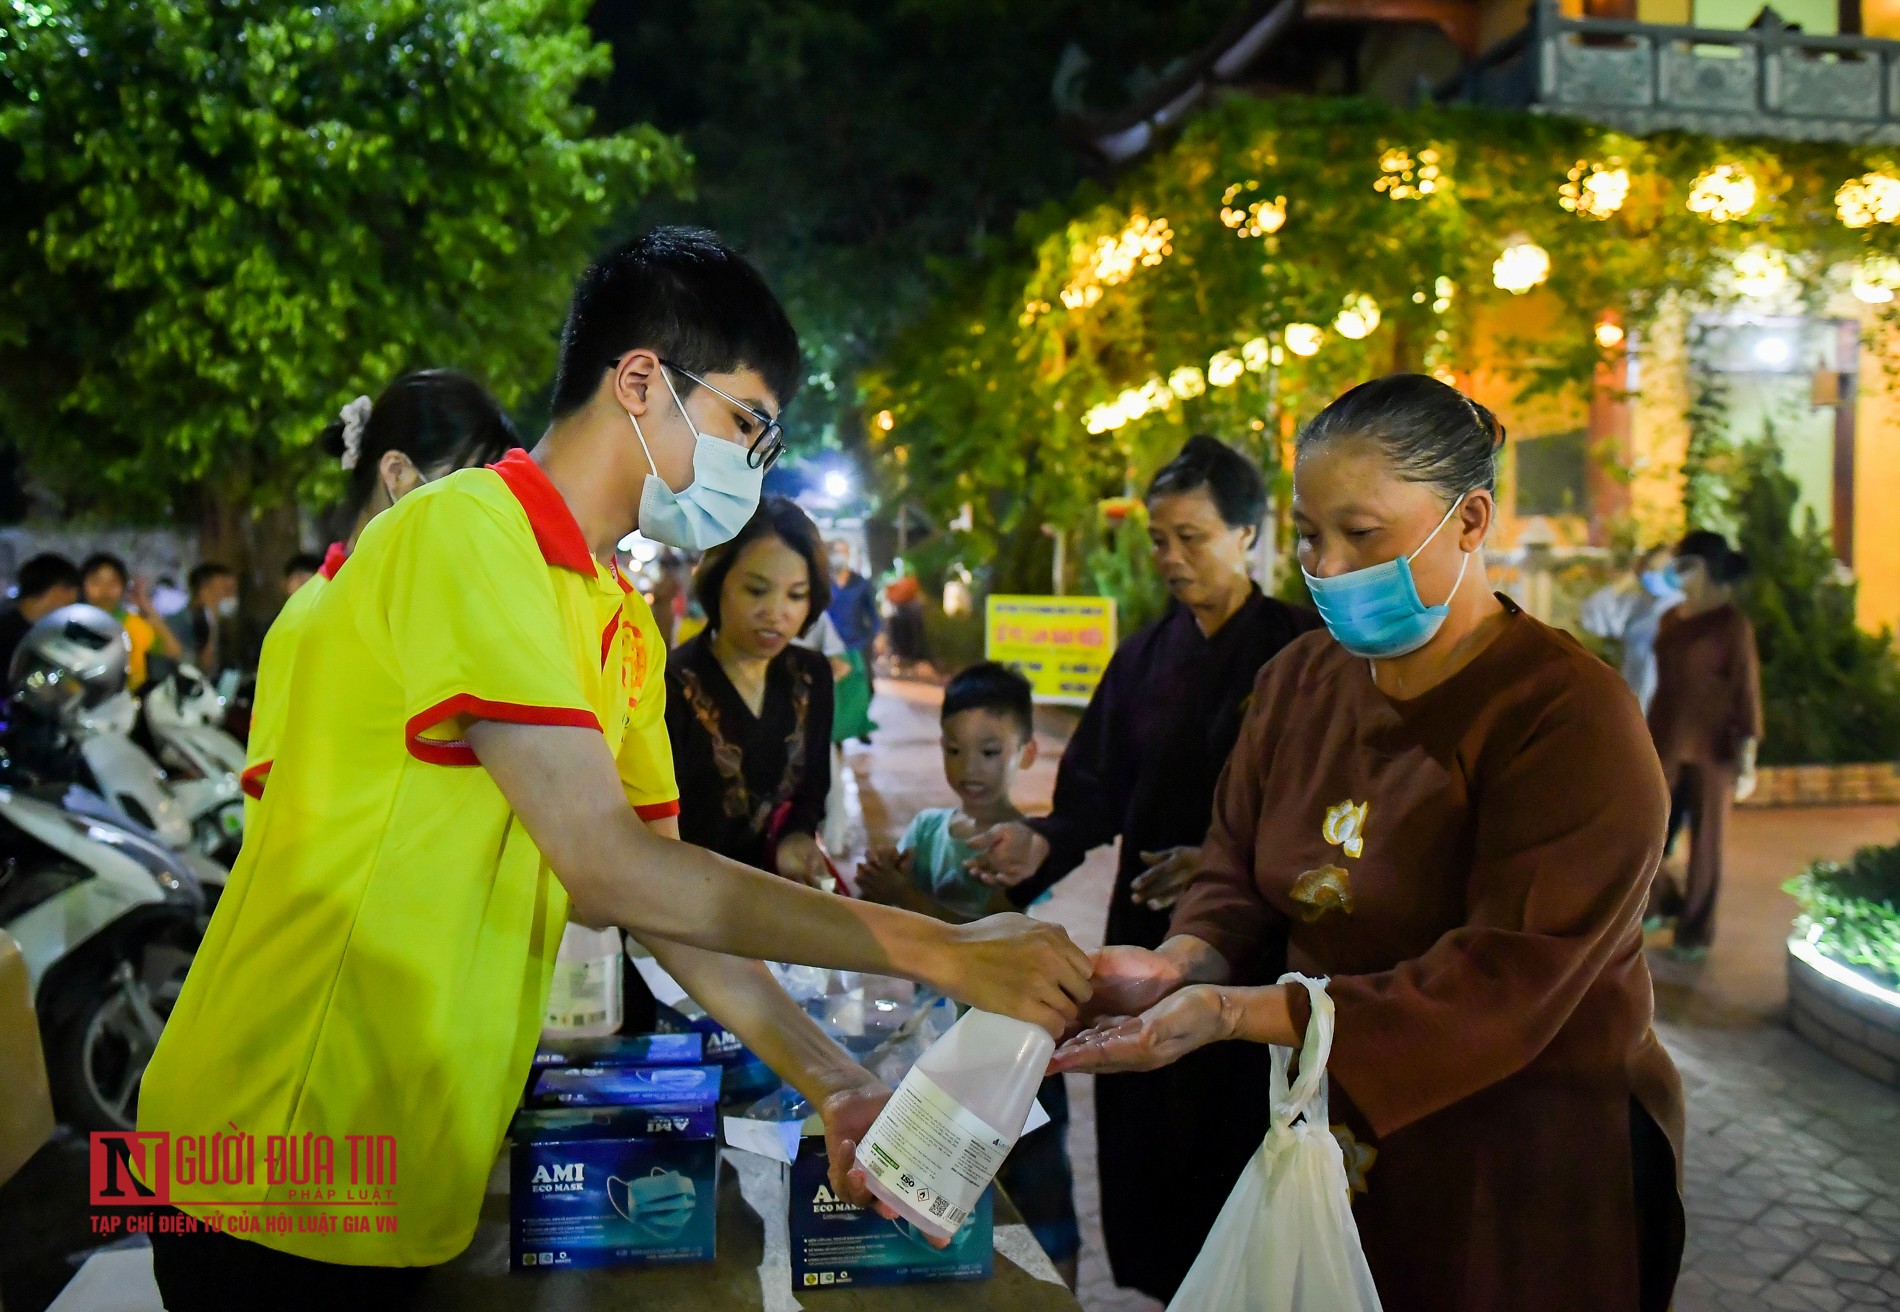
(1286, 1241)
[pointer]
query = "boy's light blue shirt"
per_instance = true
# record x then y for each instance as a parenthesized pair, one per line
(937, 863)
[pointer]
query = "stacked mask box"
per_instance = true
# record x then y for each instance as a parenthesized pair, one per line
(615, 1167)
(622, 1050)
(745, 1076)
(838, 1245)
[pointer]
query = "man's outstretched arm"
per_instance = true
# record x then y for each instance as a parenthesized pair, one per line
(563, 784)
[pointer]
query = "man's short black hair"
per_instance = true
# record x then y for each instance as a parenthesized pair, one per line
(47, 571)
(684, 295)
(203, 574)
(1231, 479)
(303, 562)
(988, 686)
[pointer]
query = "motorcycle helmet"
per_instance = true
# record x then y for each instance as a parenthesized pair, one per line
(71, 660)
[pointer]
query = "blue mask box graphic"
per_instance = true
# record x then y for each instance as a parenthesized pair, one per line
(836, 1245)
(623, 1050)
(693, 1087)
(746, 1077)
(613, 1186)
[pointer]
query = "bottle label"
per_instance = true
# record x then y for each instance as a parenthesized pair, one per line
(583, 994)
(934, 1151)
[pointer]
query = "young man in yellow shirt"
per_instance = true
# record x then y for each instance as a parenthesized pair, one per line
(469, 758)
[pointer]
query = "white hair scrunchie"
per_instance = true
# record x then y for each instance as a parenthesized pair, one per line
(355, 417)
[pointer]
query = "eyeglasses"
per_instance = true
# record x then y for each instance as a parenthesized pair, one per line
(768, 446)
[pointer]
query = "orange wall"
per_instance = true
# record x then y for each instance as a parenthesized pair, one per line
(1877, 486)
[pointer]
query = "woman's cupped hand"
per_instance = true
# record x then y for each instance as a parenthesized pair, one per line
(1169, 1030)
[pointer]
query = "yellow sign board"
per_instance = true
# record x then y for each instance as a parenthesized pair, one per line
(1062, 644)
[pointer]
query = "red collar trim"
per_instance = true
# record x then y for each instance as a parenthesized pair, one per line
(333, 560)
(556, 531)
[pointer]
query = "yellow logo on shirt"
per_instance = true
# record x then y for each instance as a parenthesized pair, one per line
(1346, 825)
(1329, 888)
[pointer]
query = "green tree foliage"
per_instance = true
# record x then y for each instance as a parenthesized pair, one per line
(226, 219)
(864, 151)
(1830, 691)
(994, 395)
(1122, 566)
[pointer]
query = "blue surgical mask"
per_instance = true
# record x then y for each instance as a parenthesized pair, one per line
(1662, 583)
(714, 506)
(1376, 612)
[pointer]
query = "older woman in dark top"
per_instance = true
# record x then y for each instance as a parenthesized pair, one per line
(1141, 767)
(748, 711)
(1454, 813)
(1706, 722)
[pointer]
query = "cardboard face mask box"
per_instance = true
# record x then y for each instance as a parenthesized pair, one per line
(746, 1077)
(837, 1245)
(626, 1086)
(614, 1186)
(623, 1050)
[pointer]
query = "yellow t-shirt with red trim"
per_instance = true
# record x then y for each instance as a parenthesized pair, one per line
(270, 700)
(379, 963)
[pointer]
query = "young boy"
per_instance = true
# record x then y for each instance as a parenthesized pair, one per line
(988, 736)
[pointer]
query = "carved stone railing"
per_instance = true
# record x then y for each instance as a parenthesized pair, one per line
(1643, 77)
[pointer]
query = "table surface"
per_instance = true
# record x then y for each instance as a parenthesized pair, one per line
(480, 1281)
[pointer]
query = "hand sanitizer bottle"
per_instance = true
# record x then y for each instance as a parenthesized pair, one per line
(939, 1141)
(584, 999)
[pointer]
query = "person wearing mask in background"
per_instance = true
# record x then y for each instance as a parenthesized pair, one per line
(1706, 723)
(1627, 613)
(45, 583)
(107, 585)
(1453, 812)
(1141, 767)
(424, 426)
(470, 758)
(210, 620)
(748, 710)
(853, 607)
(299, 570)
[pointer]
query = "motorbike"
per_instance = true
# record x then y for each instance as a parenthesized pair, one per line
(71, 721)
(107, 919)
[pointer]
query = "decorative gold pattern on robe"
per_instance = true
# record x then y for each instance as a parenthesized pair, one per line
(1346, 825)
(1326, 889)
(1359, 1156)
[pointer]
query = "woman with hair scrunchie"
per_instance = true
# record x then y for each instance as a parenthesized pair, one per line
(1706, 722)
(424, 426)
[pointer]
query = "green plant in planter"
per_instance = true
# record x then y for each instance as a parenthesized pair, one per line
(1857, 906)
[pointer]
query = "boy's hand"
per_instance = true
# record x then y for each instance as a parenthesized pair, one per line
(1167, 877)
(885, 876)
(1015, 966)
(1008, 853)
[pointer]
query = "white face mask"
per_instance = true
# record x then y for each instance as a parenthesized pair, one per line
(227, 607)
(714, 506)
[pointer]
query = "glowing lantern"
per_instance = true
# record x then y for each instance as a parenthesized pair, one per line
(1869, 199)
(1303, 338)
(1723, 193)
(1254, 353)
(1595, 191)
(1187, 382)
(1761, 272)
(1357, 319)
(1523, 265)
(1224, 369)
(1609, 335)
(1876, 279)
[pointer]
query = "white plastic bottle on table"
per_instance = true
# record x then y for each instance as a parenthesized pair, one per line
(584, 1001)
(940, 1140)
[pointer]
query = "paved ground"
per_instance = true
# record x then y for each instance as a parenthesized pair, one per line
(1793, 1170)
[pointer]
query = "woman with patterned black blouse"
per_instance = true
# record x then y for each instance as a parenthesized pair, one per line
(748, 711)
